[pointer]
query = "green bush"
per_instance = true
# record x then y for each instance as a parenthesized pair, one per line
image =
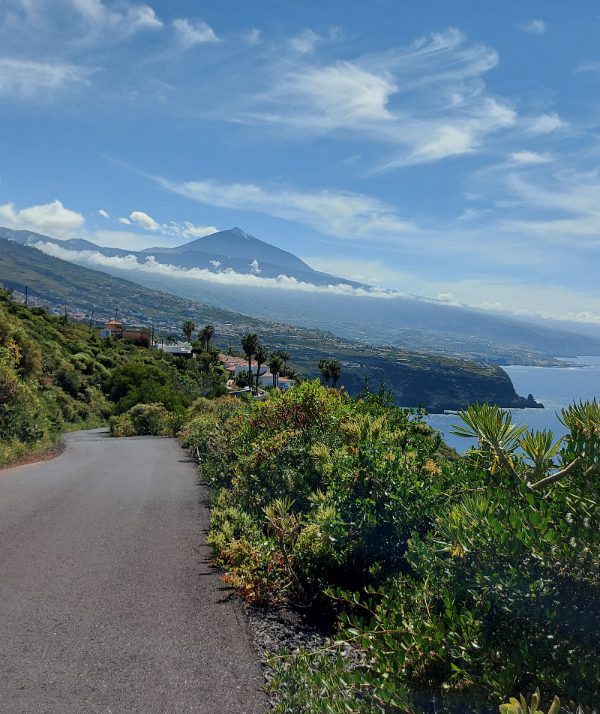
(142, 420)
(456, 583)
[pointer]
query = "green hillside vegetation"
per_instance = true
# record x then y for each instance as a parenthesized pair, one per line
(415, 379)
(57, 375)
(450, 583)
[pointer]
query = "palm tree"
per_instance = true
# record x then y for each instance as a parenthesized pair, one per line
(335, 371)
(207, 332)
(293, 374)
(188, 328)
(285, 356)
(250, 342)
(325, 370)
(276, 366)
(260, 354)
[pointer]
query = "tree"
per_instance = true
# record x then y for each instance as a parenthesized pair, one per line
(276, 365)
(284, 354)
(325, 370)
(261, 354)
(188, 328)
(292, 373)
(335, 371)
(250, 342)
(206, 334)
(331, 369)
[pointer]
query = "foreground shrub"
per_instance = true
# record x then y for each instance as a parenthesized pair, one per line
(456, 583)
(142, 420)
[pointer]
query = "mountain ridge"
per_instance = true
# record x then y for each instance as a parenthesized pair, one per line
(414, 379)
(333, 306)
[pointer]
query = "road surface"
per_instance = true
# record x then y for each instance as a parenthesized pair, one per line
(108, 602)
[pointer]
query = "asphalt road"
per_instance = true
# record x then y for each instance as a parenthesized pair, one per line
(108, 602)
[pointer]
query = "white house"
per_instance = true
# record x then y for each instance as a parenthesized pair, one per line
(236, 365)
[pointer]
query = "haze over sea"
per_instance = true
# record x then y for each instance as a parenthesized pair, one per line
(555, 387)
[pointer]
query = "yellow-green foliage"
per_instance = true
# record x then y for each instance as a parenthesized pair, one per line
(453, 581)
(142, 420)
(58, 375)
(520, 706)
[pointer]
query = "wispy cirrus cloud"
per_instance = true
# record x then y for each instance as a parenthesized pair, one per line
(79, 22)
(190, 33)
(29, 79)
(51, 45)
(533, 27)
(544, 123)
(342, 214)
(428, 99)
(530, 157)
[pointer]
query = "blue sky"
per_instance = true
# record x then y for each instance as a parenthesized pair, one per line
(443, 149)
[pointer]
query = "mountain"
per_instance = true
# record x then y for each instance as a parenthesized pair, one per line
(228, 262)
(233, 249)
(237, 250)
(415, 379)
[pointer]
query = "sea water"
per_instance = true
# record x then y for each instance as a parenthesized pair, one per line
(555, 387)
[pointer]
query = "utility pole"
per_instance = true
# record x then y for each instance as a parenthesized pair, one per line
(91, 319)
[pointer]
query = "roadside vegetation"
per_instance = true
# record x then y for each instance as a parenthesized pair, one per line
(57, 375)
(447, 584)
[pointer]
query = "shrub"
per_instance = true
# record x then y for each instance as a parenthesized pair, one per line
(141, 420)
(456, 582)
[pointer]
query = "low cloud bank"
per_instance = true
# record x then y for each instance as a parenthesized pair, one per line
(228, 276)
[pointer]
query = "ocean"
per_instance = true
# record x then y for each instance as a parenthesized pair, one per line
(555, 387)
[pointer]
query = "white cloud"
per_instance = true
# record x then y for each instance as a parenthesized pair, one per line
(345, 93)
(446, 141)
(104, 214)
(131, 17)
(427, 100)
(306, 42)
(26, 79)
(70, 26)
(49, 218)
(187, 230)
(341, 214)
(546, 123)
(471, 214)
(566, 205)
(110, 23)
(196, 33)
(530, 157)
(125, 221)
(533, 27)
(254, 267)
(144, 220)
(223, 277)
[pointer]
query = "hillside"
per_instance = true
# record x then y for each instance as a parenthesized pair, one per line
(415, 379)
(228, 269)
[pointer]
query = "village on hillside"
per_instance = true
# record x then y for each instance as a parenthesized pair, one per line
(244, 375)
